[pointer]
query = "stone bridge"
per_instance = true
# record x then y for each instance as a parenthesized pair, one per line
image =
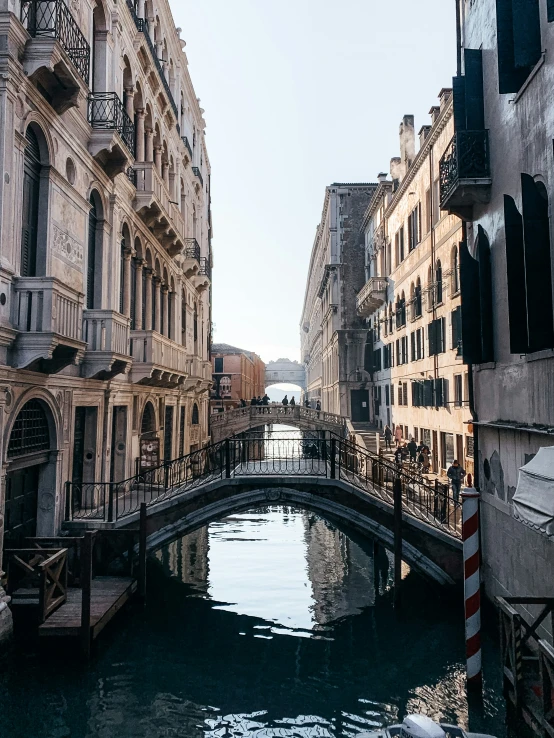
(333, 478)
(285, 371)
(233, 422)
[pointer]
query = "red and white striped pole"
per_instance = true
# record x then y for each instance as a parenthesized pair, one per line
(472, 586)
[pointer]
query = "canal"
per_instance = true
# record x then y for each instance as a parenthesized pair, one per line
(268, 623)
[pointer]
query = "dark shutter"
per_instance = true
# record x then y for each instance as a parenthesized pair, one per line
(91, 255)
(459, 102)
(143, 298)
(122, 277)
(133, 293)
(510, 78)
(31, 190)
(527, 33)
(431, 337)
(471, 307)
(457, 329)
(485, 295)
(550, 10)
(413, 346)
(154, 306)
(182, 433)
(515, 268)
(538, 267)
(474, 97)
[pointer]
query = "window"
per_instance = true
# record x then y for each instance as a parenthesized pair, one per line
(403, 393)
(195, 415)
(428, 212)
(30, 432)
(435, 333)
(416, 341)
(218, 365)
(456, 320)
(455, 271)
(387, 395)
(401, 311)
(399, 245)
(469, 447)
(458, 390)
(438, 281)
(402, 351)
(519, 42)
(392, 394)
(377, 360)
(414, 232)
(550, 10)
(388, 362)
(390, 317)
(31, 194)
(417, 299)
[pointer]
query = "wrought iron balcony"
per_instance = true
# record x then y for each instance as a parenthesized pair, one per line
(465, 178)
(191, 254)
(198, 173)
(49, 317)
(372, 296)
(187, 146)
(203, 277)
(57, 57)
(131, 175)
(106, 333)
(113, 132)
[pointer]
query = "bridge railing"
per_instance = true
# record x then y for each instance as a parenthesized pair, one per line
(266, 414)
(331, 458)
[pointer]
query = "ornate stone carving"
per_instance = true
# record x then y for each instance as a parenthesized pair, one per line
(68, 248)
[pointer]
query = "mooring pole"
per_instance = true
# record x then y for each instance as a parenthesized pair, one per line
(397, 490)
(472, 587)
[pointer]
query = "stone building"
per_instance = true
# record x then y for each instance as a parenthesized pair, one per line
(498, 175)
(332, 335)
(237, 375)
(105, 254)
(412, 298)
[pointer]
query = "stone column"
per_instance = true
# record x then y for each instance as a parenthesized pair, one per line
(148, 305)
(158, 159)
(164, 311)
(165, 173)
(138, 297)
(149, 144)
(141, 8)
(158, 316)
(140, 135)
(127, 284)
(129, 106)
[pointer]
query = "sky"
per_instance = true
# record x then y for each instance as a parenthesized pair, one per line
(299, 94)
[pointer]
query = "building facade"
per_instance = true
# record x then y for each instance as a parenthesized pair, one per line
(412, 298)
(332, 335)
(237, 375)
(497, 175)
(105, 252)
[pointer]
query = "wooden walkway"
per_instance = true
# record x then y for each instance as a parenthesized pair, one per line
(107, 597)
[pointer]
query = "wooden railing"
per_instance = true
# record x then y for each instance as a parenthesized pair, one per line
(106, 330)
(46, 305)
(38, 577)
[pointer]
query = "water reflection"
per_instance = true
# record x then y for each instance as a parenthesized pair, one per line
(270, 623)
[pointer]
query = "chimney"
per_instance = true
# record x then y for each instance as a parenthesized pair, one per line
(444, 96)
(407, 143)
(434, 113)
(423, 133)
(396, 172)
(382, 177)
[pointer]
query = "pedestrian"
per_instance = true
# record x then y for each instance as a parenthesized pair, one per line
(388, 437)
(425, 460)
(253, 402)
(292, 401)
(456, 475)
(398, 435)
(285, 402)
(243, 403)
(412, 448)
(265, 400)
(398, 454)
(306, 402)
(318, 406)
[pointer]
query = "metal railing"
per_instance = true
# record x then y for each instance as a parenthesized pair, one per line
(198, 173)
(187, 145)
(106, 112)
(262, 456)
(132, 176)
(143, 27)
(205, 267)
(467, 157)
(192, 249)
(52, 18)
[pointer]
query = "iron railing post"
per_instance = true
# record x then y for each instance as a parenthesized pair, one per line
(68, 501)
(397, 491)
(227, 459)
(333, 458)
(110, 502)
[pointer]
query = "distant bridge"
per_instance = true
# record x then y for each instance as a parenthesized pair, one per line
(331, 477)
(285, 371)
(233, 422)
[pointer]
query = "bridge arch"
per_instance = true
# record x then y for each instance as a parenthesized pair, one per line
(285, 371)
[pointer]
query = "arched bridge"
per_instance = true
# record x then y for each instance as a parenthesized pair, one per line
(334, 478)
(285, 371)
(232, 422)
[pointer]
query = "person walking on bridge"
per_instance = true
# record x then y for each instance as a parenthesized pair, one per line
(292, 401)
(285, 402)
(456, 475)
(318, 406)
(306, 402)
(388, 437)
(398, 435)
(253, 402)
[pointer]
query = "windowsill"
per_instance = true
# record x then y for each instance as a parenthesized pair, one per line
(540, 355)
(485, 367)
(455, 294)
(530, 78)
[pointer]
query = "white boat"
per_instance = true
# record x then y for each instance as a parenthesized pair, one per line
(420, 726)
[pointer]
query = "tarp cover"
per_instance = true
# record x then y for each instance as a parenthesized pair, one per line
(534, 496)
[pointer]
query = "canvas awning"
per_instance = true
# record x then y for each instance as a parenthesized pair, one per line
(534, 496)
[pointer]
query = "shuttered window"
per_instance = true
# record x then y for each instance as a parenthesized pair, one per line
(519, 41)
(91, 253)
(550, 10)
(31, 191)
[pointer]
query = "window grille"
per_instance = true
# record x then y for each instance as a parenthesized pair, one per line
(30, 432)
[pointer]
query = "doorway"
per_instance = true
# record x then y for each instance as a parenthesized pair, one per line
(84, 450)
(21, 506)
(119, 443)
(359, 406)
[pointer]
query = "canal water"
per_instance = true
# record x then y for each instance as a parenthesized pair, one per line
(267, 623)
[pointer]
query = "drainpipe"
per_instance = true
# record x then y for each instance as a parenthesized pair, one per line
(458, 38)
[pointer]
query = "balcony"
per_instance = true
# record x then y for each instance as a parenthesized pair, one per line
(157, 360)
(191, 257)
(199, 374)
(187, 147)
(202, 278)
(49, 317)
(372, 296)
(465, 178)
(198, 174)
(112, 143)
(153, 204)
(57, 56)
(107, 335)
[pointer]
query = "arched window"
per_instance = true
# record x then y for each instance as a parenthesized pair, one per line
(403, 308)
(133, 293)
(412, 301)
(430, 287)
(438, 280)
(99, 48)
(184, 318)
(455, 270)
(30, 432)
(31, 195)
(195, 326)
(148, 424)
(417, 304)
(390, 317)
(122, 276)
(195, 415)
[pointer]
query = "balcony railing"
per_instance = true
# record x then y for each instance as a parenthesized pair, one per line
(53, 19)
(466, 158)
(192, 249)
(46, 305)
(205, 267)
(149, 347)
(131, 175)
(187, 146)
(107, 113)
(371, 296)
(198, 173)
(151, 188)
(106, 330)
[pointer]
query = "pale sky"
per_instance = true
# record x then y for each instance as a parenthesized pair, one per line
(297, 95)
